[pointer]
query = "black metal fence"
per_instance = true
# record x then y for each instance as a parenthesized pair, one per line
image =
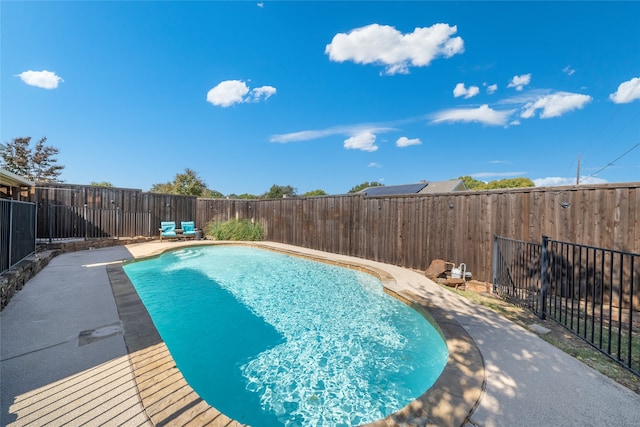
(516, 272)
(592, 291)
(17, 232)
(66, 222)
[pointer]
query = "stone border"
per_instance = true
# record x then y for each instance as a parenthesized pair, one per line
(14, 279)
(169, 400)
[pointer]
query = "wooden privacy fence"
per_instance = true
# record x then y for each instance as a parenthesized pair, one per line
(411, 231)
(64, 222)
(66, 211)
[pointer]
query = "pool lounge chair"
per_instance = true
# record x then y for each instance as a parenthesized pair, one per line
(188, 229)
(168, 230)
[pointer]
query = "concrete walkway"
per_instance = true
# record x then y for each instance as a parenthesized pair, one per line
(64, 359)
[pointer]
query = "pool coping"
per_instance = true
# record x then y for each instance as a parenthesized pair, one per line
(169, 400)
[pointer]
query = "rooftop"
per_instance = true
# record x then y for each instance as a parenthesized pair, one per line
(431, 187)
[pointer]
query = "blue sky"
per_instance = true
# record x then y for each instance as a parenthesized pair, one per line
(325, 95)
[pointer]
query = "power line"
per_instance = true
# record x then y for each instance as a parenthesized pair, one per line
(611, 163)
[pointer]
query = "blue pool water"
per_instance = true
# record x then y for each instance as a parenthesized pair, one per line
(276, 340)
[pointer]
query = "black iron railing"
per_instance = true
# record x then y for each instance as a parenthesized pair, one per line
(595, 293)
(17, 232)
(591, 291)
(516, 272)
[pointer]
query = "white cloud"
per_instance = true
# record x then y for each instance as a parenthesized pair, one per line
(568, 70)
(556, 181)
(555, 104)
(263, 92)
(360, 137)
(374, 165)
(460, 90)
(491, 89)
(519, 82)
(403, 141)
(482, 114)
(498, 162)
(305, 135)
(584, 180)
(228, 93)
(43, 79)
(383, 44)
(627, 92)
(364, 141)
(308, 135)
(261, 4)
(231, 92)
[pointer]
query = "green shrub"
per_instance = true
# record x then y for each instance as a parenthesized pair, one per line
(234, 229)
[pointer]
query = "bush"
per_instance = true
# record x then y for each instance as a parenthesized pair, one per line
(234, 229)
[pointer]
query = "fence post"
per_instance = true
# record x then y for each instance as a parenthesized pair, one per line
(35, 227)
(494, 267)
(11, 206)
(86, 225)
(544, 277)
(149, 226)
(49, 222)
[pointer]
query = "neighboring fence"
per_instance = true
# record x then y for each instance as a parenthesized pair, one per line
(592, 291)
(74, 211)
(17, 232)
(411, 231)
(65, 222)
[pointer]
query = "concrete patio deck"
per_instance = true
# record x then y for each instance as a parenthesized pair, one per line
(76, 349)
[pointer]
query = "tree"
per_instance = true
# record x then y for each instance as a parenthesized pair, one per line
(472, 183)
(166, 188)
(244, 196)
(187, 183)
(38, 164)
(212, 194)
(510, 183)
(279, 191)
(314, 193)
(364, 185)
(101, 184)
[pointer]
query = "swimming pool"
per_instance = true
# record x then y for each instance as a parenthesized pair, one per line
(270, 339)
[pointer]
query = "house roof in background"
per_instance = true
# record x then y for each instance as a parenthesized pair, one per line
(393, 190)
(11, 179)
(444, 186)
(417, 188)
